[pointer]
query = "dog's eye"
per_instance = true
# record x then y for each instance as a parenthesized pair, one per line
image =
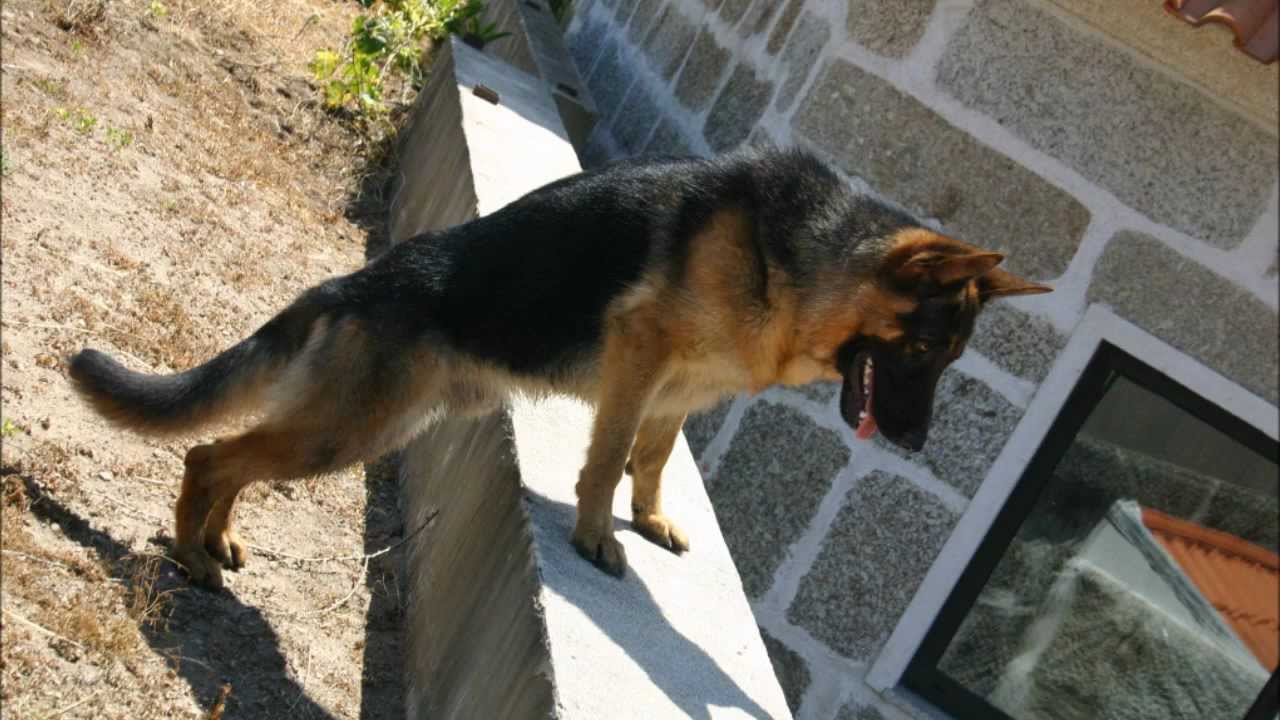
(921, 347)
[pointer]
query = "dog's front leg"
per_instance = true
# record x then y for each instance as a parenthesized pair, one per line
(654, 441)
(629, 372)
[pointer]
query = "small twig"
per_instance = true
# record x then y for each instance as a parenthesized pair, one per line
(46, 561)
(129, 510)
(75, 704)
(40, 628)
(179, 659)
(84, 331)
(225, 57)
(355, 585)
(163, 483)
(364, 571)
(348, 558)
(255, 66)
(311, 20)
(220, 705)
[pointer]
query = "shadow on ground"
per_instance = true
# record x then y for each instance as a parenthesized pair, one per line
(211, 639)
(382, 673)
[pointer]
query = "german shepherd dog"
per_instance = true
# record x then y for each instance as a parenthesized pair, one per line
(649, 288)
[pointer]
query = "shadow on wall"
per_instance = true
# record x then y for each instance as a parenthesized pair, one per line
(205, 631)
(692, 680)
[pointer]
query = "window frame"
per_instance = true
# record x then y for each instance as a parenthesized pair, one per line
(1103, 345)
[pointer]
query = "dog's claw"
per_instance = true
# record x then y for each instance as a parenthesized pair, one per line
(228, 550)
(660, 530)
(203, 570)
(603, 551)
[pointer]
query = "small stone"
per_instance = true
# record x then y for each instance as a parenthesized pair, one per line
(785, 23)
(668, 140)
(875, 554)
(800, 57)
(772, 478)
(909, 153)
(636, 118)
(641, 20)
(1016, 341)
(790, 669)
(669, 41)
(731, 11)
(888, 28)
(106, 475)
(859, 712)
(1221, 324)
(971, 423)
(702, 71)
(610, 78)
(1160, 144)
(738, 109)
(701, 428)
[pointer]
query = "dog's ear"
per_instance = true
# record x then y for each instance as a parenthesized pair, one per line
(948, 268)
(1001, 283)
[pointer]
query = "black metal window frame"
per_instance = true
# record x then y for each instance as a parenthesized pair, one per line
(923, 676)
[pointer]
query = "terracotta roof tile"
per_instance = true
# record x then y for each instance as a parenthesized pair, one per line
(1241, 580)
(1256, 23)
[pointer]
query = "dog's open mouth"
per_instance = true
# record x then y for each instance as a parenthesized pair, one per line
(856, 395)
(866, 386)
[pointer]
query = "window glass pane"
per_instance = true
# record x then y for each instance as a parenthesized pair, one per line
(1145, 582)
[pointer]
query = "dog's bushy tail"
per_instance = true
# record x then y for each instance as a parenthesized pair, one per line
(182, 402)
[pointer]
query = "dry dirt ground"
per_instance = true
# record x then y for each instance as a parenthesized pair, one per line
(168, 184)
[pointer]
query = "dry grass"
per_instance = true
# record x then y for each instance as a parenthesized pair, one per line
(79, 16)
(230, 196)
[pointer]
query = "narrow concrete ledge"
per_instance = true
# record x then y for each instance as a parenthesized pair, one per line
(504, 619)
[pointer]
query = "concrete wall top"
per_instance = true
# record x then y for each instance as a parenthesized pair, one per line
(505, 620)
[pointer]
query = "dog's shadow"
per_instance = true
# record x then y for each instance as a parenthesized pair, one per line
(628, 613)
(210, 639)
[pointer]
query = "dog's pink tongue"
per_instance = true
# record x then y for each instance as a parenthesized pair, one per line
(867, 427)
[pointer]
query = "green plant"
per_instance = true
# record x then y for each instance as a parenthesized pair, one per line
(560, 8)
(9, 428)
(388, 42)
(468, 24)
(51, 87)
(156, 9)
(119, 138)
(79, 119)
(6, 165)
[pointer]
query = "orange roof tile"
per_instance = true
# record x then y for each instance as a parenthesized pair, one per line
(1241, 580)
(1256, 23)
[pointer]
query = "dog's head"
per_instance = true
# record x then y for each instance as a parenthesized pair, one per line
(915, 320)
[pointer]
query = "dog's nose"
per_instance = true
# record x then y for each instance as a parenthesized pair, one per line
(912, 440)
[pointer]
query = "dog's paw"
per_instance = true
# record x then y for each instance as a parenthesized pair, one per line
(603, 550)
(659, 529)
(202, 569)
(227, 549)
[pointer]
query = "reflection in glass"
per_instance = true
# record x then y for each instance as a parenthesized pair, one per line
(1144, 584)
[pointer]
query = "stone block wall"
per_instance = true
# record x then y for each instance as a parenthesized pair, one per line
(1111, 151)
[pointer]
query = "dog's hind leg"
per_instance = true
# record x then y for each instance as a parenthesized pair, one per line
(220, 539)
(216, 473)
(654, 441)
